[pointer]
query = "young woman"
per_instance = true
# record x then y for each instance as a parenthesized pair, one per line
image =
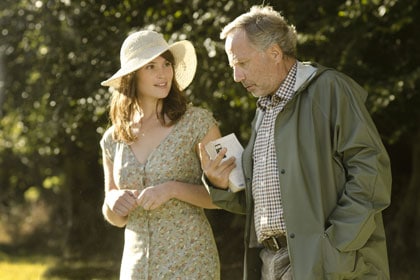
(151, 165)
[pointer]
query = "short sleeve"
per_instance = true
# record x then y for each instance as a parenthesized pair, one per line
(108, 145)
(201, 120)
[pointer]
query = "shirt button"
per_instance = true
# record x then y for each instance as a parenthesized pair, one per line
(283, 171)
(292, 235)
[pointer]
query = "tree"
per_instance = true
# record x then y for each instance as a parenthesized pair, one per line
(53, 55)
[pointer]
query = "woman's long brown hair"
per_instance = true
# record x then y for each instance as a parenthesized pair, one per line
(124, 104)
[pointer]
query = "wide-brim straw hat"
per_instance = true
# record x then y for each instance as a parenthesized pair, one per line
(141, 47)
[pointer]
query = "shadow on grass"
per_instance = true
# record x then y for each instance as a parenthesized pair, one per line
(88, 270)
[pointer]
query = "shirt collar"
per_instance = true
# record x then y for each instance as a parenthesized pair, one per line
(284, 92)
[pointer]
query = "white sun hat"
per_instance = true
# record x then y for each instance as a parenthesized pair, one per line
(143, 46)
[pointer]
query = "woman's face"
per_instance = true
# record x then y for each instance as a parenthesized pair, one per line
(154, 80)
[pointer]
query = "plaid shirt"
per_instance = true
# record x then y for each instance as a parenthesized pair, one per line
(268, 212)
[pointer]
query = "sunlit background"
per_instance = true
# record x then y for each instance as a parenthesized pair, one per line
(53, 111)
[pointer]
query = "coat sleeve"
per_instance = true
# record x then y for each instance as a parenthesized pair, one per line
(229, 201)
(361, 154)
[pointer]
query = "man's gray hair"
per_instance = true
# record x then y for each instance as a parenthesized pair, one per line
(264, 26)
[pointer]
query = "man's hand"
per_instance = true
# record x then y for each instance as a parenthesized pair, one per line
(216, 171)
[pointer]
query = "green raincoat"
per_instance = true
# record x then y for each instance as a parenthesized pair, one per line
(335, 181)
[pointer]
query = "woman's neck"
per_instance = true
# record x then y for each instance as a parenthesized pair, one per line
(150, 110)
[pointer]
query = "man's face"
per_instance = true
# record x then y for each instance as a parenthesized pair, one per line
(255, 69)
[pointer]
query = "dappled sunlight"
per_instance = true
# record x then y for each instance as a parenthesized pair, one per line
(22, 268)
(53, 112)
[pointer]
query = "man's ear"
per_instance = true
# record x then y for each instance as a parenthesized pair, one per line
(275, 52)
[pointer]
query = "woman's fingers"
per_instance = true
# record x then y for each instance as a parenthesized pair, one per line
(122, 202)
(153, 197)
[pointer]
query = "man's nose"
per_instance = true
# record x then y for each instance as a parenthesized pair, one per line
(238, 75)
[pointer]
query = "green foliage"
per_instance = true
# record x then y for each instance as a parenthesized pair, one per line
(374, 41)
(54, 54)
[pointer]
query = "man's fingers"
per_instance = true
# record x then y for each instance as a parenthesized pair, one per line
(204, 157)
(220, 156)
(217, 170)
(226, 166)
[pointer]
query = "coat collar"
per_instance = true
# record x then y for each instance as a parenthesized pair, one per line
(305, 72)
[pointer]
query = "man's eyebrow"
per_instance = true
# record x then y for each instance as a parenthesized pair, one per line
(237, 60)
(233, 57)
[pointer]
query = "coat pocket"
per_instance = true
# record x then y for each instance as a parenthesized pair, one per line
(336, 262)
(344, 265)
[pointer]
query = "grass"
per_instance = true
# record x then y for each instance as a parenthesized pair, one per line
(23, 268)
(47, 268)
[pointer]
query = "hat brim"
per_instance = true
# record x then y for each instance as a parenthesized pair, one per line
(185, 64)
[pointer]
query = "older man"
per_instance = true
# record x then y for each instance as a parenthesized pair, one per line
(318, 176)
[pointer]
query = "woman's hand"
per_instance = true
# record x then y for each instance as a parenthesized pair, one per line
(154, 196)
(121, 202)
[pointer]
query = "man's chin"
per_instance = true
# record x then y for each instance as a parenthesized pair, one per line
(256, 93)
(251, 90)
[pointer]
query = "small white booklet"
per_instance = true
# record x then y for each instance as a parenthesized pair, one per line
(234, 149)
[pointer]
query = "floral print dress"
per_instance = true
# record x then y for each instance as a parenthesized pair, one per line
(174, 241)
